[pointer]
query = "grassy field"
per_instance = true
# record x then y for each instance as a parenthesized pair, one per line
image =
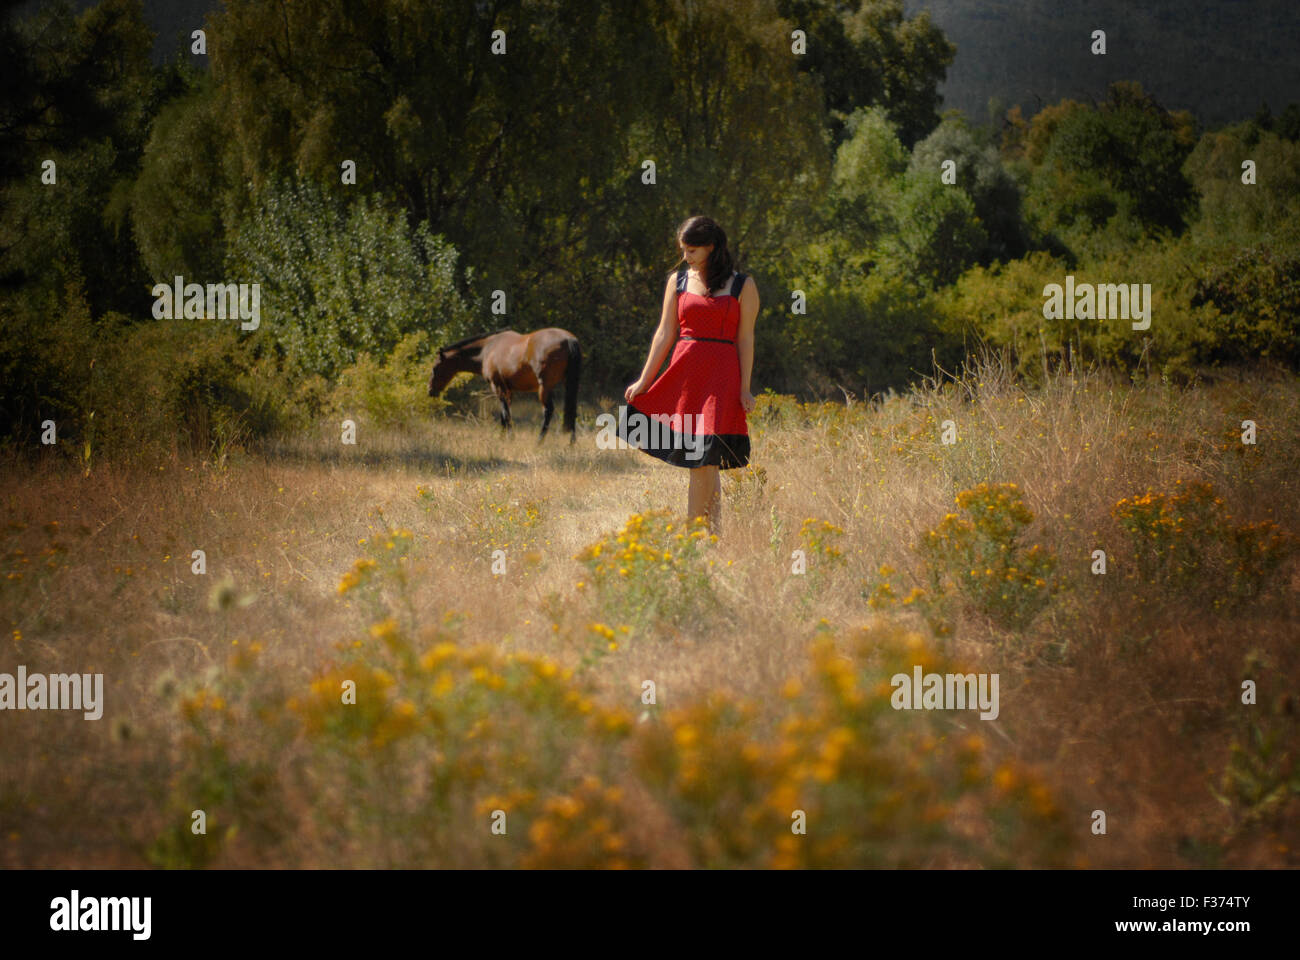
(500, 719)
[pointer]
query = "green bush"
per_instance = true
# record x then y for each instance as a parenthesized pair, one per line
(1257, 294)
(173, 384)
(393, 392)
(980, 551)
(44, 362)
(1230, 208)
(339, 280)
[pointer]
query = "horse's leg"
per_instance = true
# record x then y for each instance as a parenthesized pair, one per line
(503, 400)
(548, 408)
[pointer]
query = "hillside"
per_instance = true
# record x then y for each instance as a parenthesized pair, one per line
(1220, 60)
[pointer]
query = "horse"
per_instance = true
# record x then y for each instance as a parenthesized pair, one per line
(512, 361)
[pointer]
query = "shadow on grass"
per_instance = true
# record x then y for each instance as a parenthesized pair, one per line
(419, 453)
(413, 457)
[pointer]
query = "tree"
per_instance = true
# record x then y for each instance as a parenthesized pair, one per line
(78, 91)
(416, 96)
(181, 201)
(859, 208)
(982, 177)
(1118, 165)
(1227, 207)
(939, 234)
(867, 54)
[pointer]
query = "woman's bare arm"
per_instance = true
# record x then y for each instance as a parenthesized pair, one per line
(664, 337)
(745, 334)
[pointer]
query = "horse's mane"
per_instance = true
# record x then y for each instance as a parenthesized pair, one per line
(468, 340)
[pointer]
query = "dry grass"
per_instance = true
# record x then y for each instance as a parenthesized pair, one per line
(1121, 697)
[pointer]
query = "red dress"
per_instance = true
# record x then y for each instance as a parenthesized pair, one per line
(691, 415)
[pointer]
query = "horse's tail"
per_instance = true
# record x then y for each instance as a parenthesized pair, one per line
(572, 371)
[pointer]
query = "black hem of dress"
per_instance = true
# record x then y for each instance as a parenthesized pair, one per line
(726, 451)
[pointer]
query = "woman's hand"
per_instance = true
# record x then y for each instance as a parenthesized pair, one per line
(633, 390)
(747, 401)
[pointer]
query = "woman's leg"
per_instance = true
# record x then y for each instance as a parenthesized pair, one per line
(705, 497)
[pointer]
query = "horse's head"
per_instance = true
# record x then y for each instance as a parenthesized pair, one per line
(442, 374)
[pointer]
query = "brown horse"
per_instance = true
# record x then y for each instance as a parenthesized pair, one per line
(513, 361)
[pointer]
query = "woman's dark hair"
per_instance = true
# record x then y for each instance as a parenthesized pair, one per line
(700, 232)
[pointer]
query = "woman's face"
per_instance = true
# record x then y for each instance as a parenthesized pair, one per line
(696, 256)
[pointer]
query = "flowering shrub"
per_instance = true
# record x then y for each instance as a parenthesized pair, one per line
(935, 609)
(584, 829)
(878, 787)
(438, 738)
(233, 782)
(384, 569)
(776, 410)
(602, 640)
(653, 568)
(409, 752)
(819, 540)
(503, 522)
(1258, 552)
(1185, 540)
(981, 552)
(1260, 778)
(746, 484)
(1168, 533)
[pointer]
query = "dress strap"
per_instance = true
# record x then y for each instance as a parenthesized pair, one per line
(737, 283)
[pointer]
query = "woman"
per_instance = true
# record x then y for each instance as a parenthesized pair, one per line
(701, 400)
